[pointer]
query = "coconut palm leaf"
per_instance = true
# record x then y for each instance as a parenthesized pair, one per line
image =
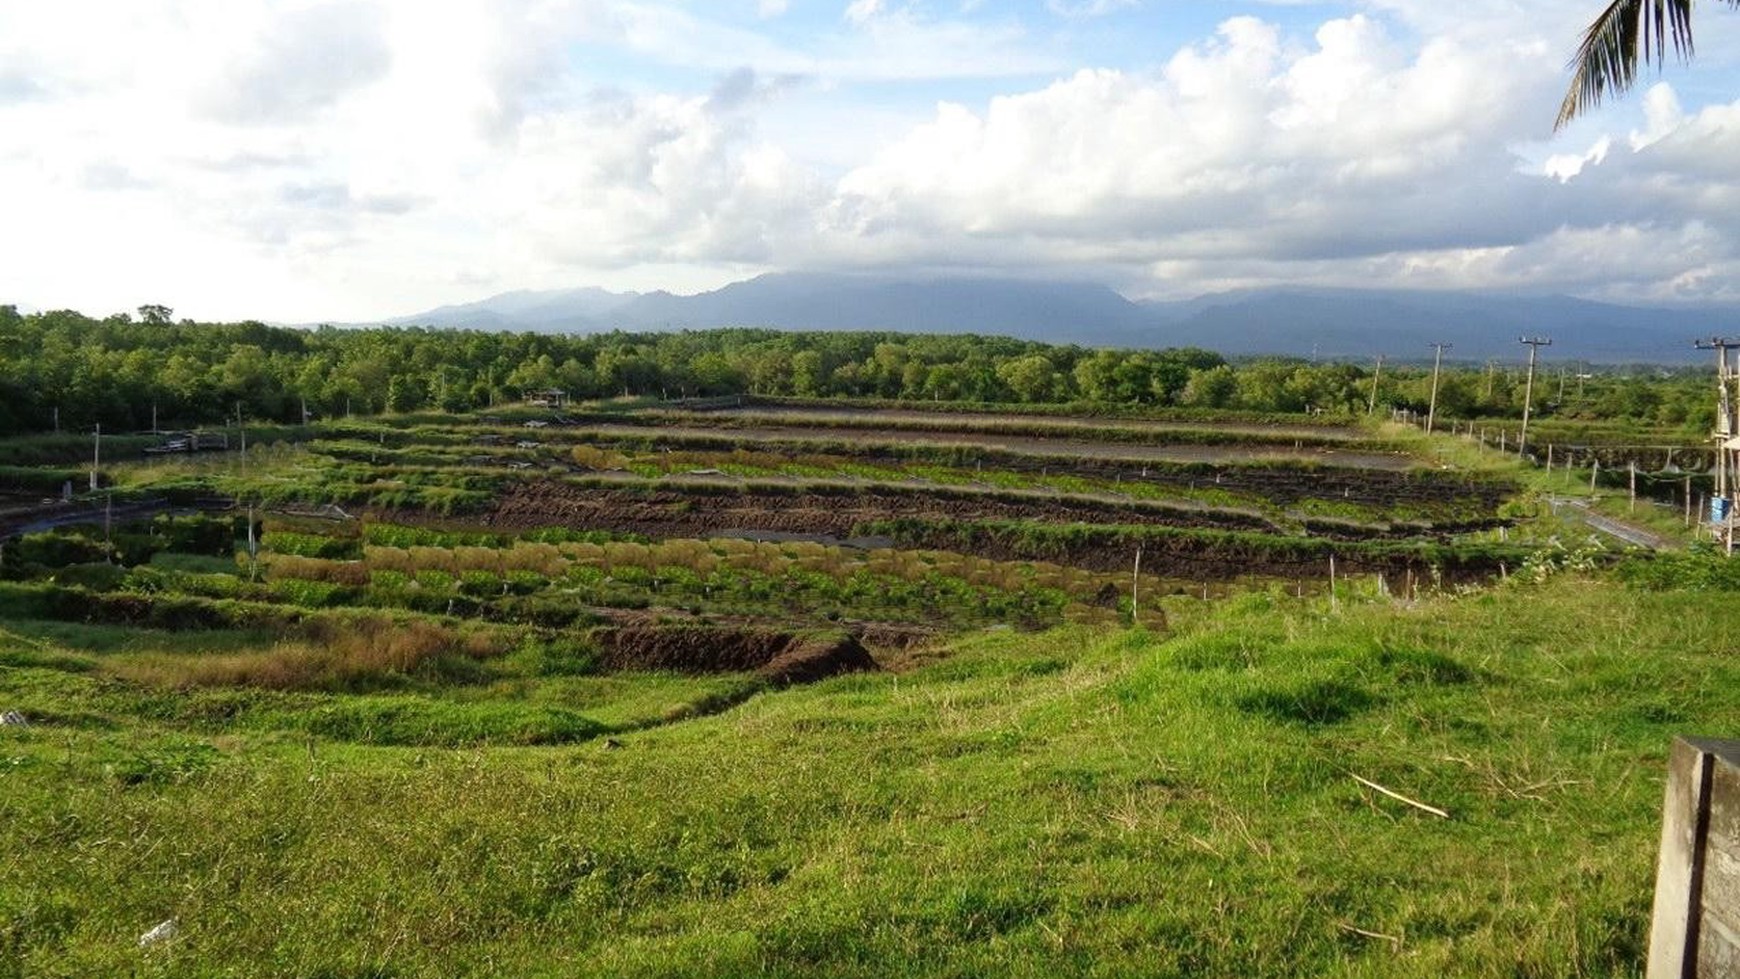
(1627, 31)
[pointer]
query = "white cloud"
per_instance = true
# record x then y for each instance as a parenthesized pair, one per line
(299, 62)
(862, 11)
(1564, 166)
(1089, 8)
(1661, 114)
(1236, 140)
(446, 155)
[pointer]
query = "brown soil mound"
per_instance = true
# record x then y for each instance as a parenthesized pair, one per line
(775, 656)
(806, 661)
(691, 649)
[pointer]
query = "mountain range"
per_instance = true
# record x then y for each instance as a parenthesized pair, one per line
(1299, 321)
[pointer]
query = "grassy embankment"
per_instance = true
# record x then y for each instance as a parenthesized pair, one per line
(1075, 802)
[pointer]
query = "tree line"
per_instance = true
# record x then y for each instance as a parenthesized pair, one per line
(124, 371)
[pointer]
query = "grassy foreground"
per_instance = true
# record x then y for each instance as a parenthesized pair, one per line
(1074, 802)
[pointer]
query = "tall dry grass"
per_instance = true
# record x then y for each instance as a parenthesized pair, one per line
(332, 654)
(281, 566)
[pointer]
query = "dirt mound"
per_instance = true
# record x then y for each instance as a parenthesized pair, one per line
(775, 656)
(809, 660)
(691, 649)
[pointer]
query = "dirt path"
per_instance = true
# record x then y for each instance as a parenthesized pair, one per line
(57, 514)
(1629, 533)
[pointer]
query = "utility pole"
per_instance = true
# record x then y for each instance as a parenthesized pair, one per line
(1437, 362)
(1534, 344)
(1371, 405)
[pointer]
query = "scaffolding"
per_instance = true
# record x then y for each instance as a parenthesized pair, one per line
(1726, 437)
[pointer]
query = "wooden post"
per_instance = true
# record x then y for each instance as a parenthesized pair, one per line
(1697, 886)
(253, 548)
(1688, 501)
(96, 455)
(1437, 361)
(1594, 472)
(1135, 580)
(1633, 505)
(1332, 606)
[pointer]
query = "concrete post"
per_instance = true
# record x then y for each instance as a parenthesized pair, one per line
(1695, 928)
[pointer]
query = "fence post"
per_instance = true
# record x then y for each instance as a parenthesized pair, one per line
(1696, 921)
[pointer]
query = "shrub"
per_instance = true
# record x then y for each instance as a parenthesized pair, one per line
(57, 549)
(311, 545)
(1312, 703)
(96, 577)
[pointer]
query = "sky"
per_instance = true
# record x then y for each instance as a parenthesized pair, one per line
(347, 160)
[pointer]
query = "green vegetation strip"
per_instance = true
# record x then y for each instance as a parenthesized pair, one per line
(1105, 546)
(1076, 803)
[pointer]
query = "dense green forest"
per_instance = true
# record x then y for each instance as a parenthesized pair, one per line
(120, 370)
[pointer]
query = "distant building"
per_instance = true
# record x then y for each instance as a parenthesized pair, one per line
(551, 398)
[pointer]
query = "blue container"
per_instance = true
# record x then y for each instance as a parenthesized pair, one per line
(1719, 506)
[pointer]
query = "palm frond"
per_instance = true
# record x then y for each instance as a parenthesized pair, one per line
(1606, 60)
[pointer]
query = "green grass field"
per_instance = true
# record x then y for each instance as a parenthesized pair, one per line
(1075, 802)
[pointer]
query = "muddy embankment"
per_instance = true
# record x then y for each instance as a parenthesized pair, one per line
(702, 511)
(771, 511)
(1199, 551)
(774, 657)
(1217, 557)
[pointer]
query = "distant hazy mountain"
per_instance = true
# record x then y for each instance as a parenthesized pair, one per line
(1060, 311)
(1397, 323)
(1285, 320)
(556, 309)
